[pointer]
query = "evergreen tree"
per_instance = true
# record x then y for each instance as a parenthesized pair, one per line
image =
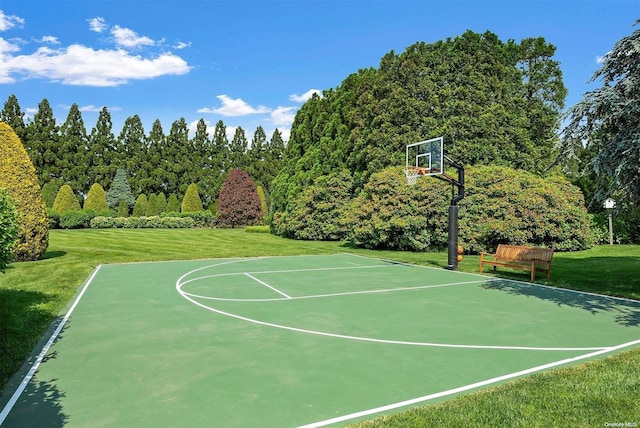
(66, 200)
(256, 158)
(191, 201)
(96, 199)
(608, 120)
(102, 153)
(220, 157)
(141, 206)
(238, 150)
(50, 191)
(42, 143)
(152, 205)
(120, 190)
(71, 165)
(156, 142)
(123, 209)
(204, 176)
(274, 157)
(13, 116)
(162, 203)
(176, 162)
(18, 178)
(132, 146)
(173, 205)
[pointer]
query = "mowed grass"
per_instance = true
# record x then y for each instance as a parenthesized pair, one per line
(34, 294)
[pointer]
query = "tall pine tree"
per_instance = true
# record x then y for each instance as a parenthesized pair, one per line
(41, 141)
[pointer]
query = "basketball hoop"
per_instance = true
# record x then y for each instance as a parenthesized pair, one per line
(413, 172)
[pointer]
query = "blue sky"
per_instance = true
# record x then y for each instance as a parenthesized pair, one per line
(253, 63)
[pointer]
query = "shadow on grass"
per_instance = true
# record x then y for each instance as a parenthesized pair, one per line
(53, 254)
(20, 315)
(627, 312)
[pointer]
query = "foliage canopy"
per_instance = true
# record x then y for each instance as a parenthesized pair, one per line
(18, 177)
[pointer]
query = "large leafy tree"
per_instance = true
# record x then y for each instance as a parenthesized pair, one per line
(494, 102)
(239, 203)
(606, 124)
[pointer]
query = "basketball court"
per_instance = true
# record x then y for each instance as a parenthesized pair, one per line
(299, 341)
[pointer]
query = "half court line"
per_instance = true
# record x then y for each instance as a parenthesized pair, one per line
(319, 296)
(267, 285)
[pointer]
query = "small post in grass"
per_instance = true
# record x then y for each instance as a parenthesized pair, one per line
(609, 205)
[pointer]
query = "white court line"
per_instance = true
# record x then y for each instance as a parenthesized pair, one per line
(27, 378)
(369, 339)
(466, 387)
(267, 285)
(534, 284)
(346, 293)
(280, 271)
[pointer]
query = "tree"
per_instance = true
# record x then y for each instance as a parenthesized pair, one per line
(8, 229)
(155, 153)
(152, 205)
(494, 102)
(173, 205)
(239, 203)
(120, 190)
(102, 154)
(132, 154)
(71, 165)
(66, 200)
(18, 178)
(318, 213)
(50, 191)
(96, 199)
(13, 116)
(238, 149)
(607, 120)
(162, 203)
(42, 143)
(191, 201)
(257, 166)
(141, 206)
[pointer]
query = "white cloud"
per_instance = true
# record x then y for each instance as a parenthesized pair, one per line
(81, 65)
(95, 109)
(52, 40)
(283, 115)
(129, 38)
(234, 107)
(182, 45)
(97, 24)
(304, 97)
(9, 21)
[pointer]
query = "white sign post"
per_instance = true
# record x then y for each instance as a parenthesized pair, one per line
(609, 204)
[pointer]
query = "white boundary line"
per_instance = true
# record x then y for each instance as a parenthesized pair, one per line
(267, 285)
(27, 378)
(318, 296)
(466, 387)
(180, 284)
(549, 287)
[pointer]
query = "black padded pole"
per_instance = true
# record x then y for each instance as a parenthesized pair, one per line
(452, 243)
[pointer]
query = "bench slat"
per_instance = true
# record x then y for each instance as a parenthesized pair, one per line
(520, 257)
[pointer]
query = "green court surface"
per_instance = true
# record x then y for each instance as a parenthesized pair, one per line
(299, 341)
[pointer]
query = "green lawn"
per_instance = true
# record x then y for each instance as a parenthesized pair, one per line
(33, 294)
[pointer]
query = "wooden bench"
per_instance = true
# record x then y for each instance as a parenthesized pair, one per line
(519, 257)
